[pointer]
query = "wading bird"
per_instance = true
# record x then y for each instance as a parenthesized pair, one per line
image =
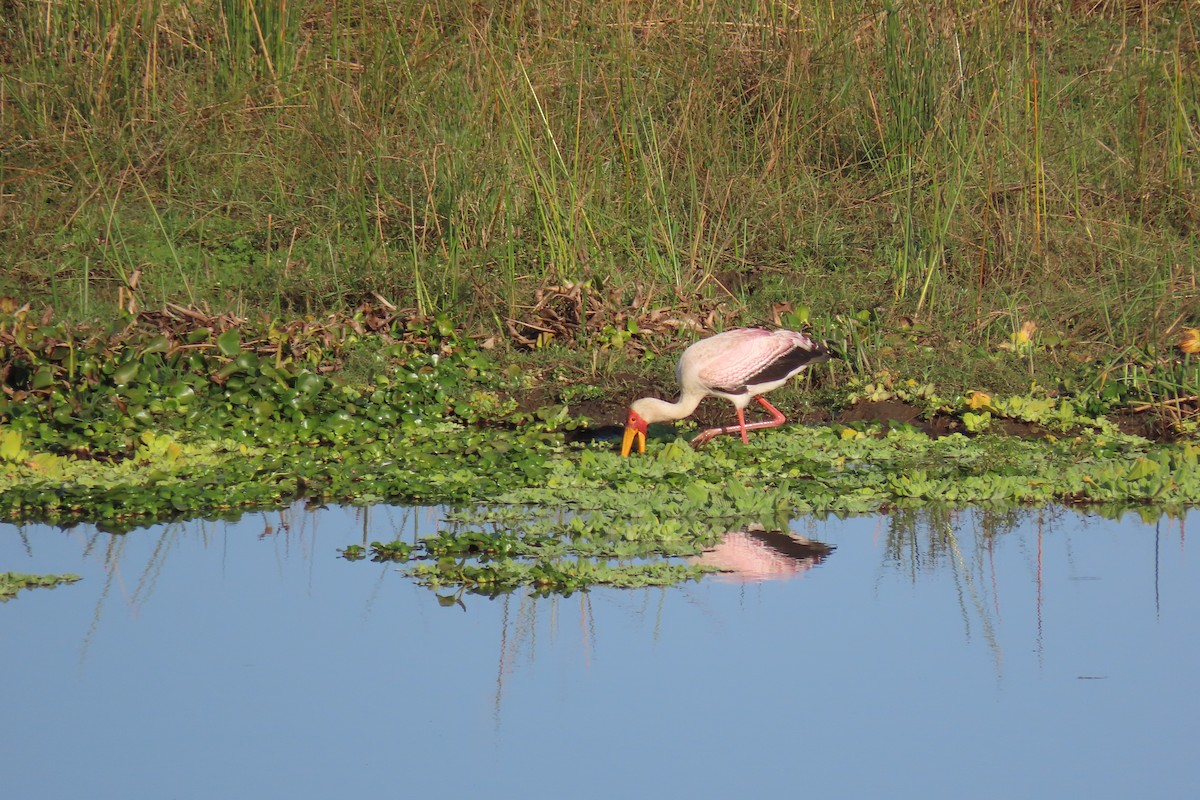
(739, 365)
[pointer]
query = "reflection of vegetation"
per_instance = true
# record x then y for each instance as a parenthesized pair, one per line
(12, 582)
(494, 550)
(924, 538)
(599, 507)
(928, 540)
(548, 576)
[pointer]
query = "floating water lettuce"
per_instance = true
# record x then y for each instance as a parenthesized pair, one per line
(12, 582)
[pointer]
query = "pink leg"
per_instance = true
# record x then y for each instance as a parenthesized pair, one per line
(775, 421)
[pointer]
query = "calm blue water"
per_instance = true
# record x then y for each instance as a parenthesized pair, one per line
(1056, 657)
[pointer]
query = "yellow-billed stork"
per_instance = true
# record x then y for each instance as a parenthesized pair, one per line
(739, 365)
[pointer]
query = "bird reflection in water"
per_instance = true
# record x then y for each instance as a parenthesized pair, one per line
(753, 554)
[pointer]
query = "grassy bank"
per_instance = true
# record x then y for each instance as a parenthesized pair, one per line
(168, 416)
(921, 184)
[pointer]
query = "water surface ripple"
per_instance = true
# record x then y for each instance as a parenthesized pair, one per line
(1040, 653)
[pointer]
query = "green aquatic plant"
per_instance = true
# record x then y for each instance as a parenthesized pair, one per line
(391, 551)
(144, 424)
(178, 419)
(353, 552)
(551, 577)
(852, 468)
(12, 582)
(596, 512)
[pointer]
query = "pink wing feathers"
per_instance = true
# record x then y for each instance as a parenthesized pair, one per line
(739, 359)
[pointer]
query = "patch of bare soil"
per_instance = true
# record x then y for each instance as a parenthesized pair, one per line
(607, 416)
(892, 412)
(1150, 424)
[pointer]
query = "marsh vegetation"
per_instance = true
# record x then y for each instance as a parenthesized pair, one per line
(952, 173)
(426, 251)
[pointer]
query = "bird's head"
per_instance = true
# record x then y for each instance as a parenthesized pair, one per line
(635, 428)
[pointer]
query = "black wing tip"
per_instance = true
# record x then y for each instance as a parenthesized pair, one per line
(824, 352)
(810, 355)
(790, 363)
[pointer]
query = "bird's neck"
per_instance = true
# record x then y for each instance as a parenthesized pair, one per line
(652, 409)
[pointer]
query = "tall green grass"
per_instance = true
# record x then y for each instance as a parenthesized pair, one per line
(943, 161)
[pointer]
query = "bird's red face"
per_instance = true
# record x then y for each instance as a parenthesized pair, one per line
(635, 428)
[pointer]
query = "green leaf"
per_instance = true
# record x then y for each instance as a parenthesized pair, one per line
(226, 372)
(43, 378)
(159, 344)
(229, 343)
(10, 445)
(1142, 468)
(125, 373)
(179, 390)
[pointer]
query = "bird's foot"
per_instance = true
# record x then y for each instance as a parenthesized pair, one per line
(707, 436)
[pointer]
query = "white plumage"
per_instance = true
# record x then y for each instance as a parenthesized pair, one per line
(739, 365)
